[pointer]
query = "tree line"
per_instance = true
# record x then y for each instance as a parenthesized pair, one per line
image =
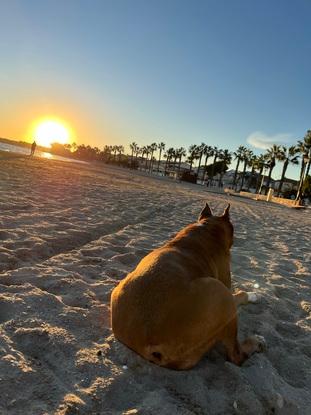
(204, 162)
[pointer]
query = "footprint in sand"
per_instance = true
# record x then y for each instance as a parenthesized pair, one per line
(289, 330)
(293, 370)
(126, 259)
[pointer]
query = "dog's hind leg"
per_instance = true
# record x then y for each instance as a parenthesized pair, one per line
(218, 321)
(240, 297)
(223, 306)
(238, 352)
(203, 315)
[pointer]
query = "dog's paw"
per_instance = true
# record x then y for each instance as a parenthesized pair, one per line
(253, 344)
(252, 297)
(261, 344)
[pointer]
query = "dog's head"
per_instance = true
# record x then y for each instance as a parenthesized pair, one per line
(223, 222)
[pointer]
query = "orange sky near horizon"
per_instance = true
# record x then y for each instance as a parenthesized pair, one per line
(19, 119)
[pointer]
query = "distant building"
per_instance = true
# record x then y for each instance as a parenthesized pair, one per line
(288, 184)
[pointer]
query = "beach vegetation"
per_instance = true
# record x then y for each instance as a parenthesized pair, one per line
(205, 164)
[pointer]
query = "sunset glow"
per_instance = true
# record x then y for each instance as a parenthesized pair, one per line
(50, 131)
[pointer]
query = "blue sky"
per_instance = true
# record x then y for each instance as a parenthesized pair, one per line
(223, 72)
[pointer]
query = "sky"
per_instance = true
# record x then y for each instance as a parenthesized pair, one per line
(223, 72)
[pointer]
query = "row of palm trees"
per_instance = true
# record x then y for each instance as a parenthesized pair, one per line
(287, 155)
(244, 156)
(264, 161)
(174, 157)
(211, 161)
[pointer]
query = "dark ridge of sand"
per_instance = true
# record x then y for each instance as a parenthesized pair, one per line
(7, 155)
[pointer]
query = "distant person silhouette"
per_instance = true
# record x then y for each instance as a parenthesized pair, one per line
(33, 148)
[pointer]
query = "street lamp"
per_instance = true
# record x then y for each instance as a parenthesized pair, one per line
(306, 160)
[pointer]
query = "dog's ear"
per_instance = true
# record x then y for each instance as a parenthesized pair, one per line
(226, 215)
(206, 213)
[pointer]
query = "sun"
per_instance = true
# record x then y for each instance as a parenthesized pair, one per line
(50, 131)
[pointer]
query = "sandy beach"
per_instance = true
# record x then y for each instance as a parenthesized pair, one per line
(69, 233)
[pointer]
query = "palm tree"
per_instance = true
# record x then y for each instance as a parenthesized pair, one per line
(272, 154)
(302, 150)
(307, 140)
(133, 147)
(153, 148)
(120, 151)
(115, 149)
(168, 154)
(246, 157)
(193, 155)
(144, 150)
(208, 152)
(215, 153)
(260, 165)
(175, 156)
(226, 158)
(252, 164)
(161, 147)
(182, 152)
(148, 151)
(200, 150)
(305, 150)
(289, 156)
(138, 151)
(238, 154)
(107, 153)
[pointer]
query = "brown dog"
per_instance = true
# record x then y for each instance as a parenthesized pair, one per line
(177, 303)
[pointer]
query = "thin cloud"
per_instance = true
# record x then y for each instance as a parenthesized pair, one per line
(263, 141)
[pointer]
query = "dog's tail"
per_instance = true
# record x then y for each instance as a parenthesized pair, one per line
(159, 355)
(154, 354)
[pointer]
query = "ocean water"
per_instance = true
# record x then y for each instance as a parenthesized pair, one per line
(24, 150)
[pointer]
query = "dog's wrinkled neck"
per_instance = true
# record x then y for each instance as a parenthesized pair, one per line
(218, 230)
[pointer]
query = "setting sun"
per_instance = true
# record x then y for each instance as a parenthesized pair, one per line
(49, 131)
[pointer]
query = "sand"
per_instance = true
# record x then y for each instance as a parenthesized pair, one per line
(69, 233)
